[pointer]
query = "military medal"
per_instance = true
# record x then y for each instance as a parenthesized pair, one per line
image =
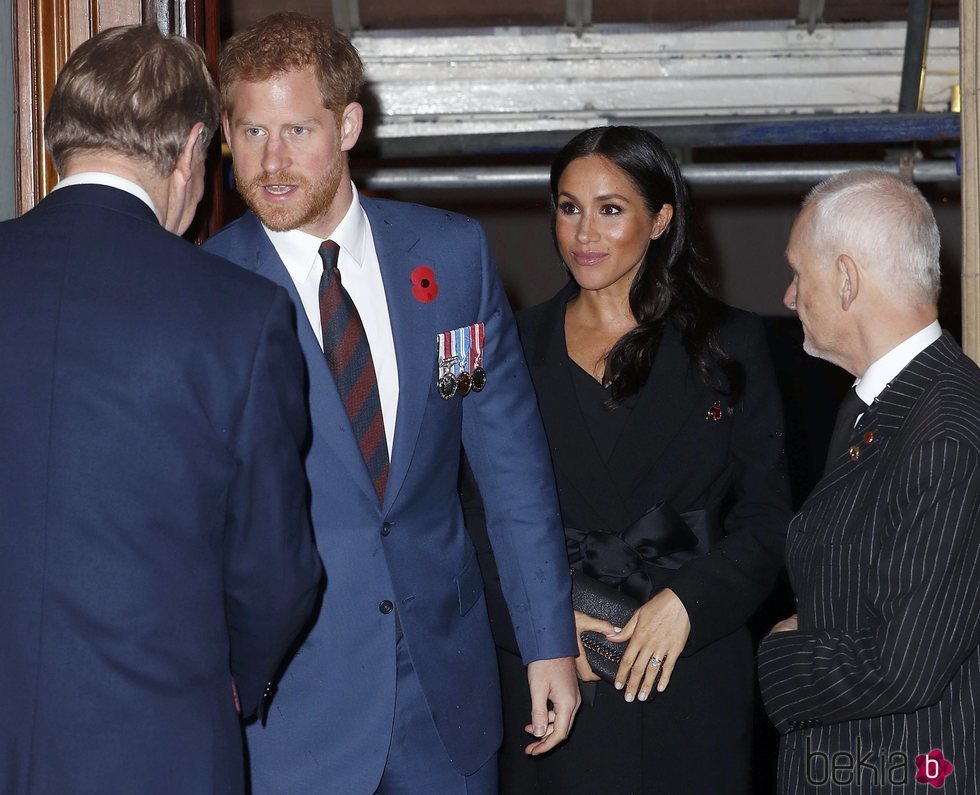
(478, 376)
(448, 365)
(460, 353)
(447, 386)
(479, 379)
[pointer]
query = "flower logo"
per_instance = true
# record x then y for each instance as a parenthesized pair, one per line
(932, 768)
(424, 286)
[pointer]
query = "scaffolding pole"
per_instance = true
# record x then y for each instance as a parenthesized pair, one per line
(969, 60)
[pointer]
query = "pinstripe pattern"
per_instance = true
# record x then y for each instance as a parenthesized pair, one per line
(885, 560)
(349, 357)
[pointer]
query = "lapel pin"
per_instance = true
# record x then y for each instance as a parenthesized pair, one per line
(854, 452)
(869, 437)
(714, 413)
(424, 285)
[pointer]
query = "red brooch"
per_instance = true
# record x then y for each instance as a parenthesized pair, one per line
(714, 413)
(424, 286)
(854, 451)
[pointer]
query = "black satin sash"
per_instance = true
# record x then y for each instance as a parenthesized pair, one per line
(638, 560)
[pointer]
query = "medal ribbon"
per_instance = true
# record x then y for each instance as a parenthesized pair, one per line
(445, 351)
(476, 353)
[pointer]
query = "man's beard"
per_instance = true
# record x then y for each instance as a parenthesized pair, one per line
(316, 199)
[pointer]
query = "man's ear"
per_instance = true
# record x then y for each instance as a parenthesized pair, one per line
(226, 127)
(850, 280)
(351, 123)
(185, 160)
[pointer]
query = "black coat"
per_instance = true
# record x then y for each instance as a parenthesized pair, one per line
(689, 446)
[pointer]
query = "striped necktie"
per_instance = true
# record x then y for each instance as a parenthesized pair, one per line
(349, 358)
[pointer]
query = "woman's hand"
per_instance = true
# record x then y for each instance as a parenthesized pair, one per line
(657, 634)
(587, 623)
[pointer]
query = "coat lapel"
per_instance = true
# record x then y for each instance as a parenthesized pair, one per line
(415, 342)
(671, 394)
(329, 417)
(573, 451)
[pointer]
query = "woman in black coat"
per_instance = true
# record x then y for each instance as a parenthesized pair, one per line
(664, 422)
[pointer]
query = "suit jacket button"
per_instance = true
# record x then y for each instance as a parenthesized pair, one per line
(386, 607)
(386, 528)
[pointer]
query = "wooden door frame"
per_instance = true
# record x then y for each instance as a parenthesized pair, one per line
(46, 31)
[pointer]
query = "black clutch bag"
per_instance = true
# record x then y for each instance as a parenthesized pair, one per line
(597, 599)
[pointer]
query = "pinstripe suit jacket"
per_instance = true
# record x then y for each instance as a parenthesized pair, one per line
(884, 557)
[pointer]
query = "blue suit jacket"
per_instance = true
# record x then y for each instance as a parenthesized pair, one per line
(153, 535)
(329, 727)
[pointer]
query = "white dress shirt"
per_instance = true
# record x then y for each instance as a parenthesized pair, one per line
(361, 277)
(883, 370)
(111, 181)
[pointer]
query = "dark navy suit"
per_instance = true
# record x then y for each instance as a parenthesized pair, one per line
(884, 557)
(330, 725)
(154, 543)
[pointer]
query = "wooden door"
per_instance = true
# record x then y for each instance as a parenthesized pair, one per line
(47, 31)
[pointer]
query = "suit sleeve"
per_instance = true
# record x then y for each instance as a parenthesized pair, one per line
(722, 589)
(272, 571)
(925, 593)
(506, 448)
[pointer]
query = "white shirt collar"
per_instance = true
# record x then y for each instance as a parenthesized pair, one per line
(883, 371)
(111, 181)
(300, 250)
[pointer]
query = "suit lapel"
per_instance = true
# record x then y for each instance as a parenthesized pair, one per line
(887, 415)
(573, 450)
(329, 417)
(415, 341)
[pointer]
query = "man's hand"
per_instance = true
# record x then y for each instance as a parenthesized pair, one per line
(554, 681)
(786, 625)
(586, 623)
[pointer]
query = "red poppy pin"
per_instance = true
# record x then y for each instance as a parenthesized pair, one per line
(424, 286)
(714, 413)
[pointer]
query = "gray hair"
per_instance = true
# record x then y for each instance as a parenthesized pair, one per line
(133, 91)
(882, 220)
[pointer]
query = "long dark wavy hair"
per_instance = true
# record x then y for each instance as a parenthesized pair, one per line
(668, 286)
